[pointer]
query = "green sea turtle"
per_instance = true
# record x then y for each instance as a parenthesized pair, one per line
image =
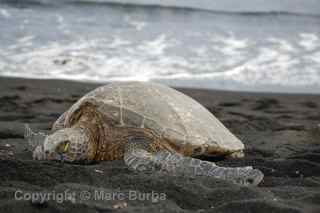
(151, 127)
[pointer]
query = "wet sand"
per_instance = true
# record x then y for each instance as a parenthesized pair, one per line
(281, 133)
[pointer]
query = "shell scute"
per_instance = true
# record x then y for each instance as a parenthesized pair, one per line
(131, 118)
(111, 112)
(153, 125)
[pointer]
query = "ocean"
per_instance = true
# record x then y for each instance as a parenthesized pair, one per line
(254, 45)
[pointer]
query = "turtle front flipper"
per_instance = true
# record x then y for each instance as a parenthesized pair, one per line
(140, 158)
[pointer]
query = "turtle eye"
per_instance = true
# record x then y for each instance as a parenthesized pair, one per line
(63, 147)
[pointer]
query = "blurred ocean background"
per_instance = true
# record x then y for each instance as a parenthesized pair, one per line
(256, 45)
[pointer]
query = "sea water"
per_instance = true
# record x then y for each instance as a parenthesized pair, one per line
(256, 45)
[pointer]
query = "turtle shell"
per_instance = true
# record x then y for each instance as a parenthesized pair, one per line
(169, 113)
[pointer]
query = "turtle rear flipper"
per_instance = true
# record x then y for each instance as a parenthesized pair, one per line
(140, 158)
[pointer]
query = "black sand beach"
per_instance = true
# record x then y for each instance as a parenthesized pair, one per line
(281, 133)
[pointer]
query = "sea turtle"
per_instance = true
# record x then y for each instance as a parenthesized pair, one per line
(151, 126)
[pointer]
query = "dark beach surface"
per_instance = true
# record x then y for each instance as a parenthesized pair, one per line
(281, 133)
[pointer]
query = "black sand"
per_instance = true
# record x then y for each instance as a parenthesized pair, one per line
(281, 133)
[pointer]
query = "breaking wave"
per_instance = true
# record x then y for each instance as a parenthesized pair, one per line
(247, 8)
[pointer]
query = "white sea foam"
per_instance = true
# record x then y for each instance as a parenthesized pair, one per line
(283, 45)
(118, 42)
(230, 40)
(309, 41)
(26, 39)
(232, 48)
(156, 46)
(201, 51)
(138, 25)
(315, 58)
(4, 13)
(119, 59)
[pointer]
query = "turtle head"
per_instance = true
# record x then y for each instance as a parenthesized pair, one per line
(69, 144)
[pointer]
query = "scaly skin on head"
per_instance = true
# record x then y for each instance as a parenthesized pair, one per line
(69, 144)
(73, 144)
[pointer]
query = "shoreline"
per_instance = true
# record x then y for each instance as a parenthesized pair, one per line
(259, 91)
